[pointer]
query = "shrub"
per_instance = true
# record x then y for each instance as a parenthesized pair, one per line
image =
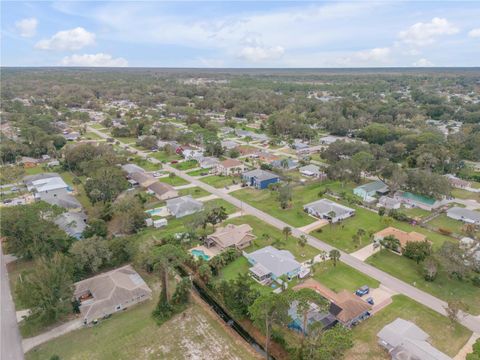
(445, 231)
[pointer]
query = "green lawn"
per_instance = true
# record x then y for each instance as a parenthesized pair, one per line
(274, 237)
(443, 287)
(444, 336)
(145, 164)
(127, 139)
(218, 181)
(133, 334)
(415, 213)
(197, 172)
(90, 135)
(342, 277)
(174, 181)
(186, 165)
(195, 192)
(466, 195)
(98, 126)
(444, 222)
(34, 170)
(164, 157)
(229, 208)
(15, 269)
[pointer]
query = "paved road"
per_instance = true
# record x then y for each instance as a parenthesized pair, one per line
(10, 341)
(469, 321)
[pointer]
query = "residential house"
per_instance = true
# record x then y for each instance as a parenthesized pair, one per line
(465, 215)
(329, 210)
(72, 136)
(347, 308)
(72, 222)
(369, 190)
(389, 203)
(231, 236)
(457, 182)
(405, 340)
(51, 188)
(314, 315)
(132, 168)
(245, 150)
(230, 167)
(229, 144)
(415, 200)
(260, 179)
(110, 292)
(162, 191)
(402, 236)
(329, 139)
(299, 145)
(29, 162)
(142, 178)
(270, 263)
(265, 156)
(208, 162)
(286, 164)
(183, 206)
(310, 170)
(192, 154)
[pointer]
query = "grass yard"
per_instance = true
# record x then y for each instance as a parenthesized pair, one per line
(466, 195)
(34, 170)
(186, 165)
(15, 269)
(274, 238)
(174, 181)
(164, 157)
(218, 181)
(127, 139)
(90, 135)
(415, 213)
(444, 222)
(197, 172)
(342, 277)
(145, 164)
(229, 208)
(195, 192)
(98, 126)
(443, 287)
(134, 334)
(444, 336)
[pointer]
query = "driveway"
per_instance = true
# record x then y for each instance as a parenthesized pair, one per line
(63, 329)
(365, 252)
(314, 226)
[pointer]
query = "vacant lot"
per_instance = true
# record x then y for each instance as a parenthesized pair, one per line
(195, 192)
(443, 335)
(443, 287)
(444, 222)
(145, 164)
(195, 334)
(341, 277)
(229, 208)
(186, 165)
(218, 181)
(174, 181)
(165, 157)
(466, 195)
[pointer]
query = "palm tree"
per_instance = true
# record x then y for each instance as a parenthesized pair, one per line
(302, 241)
(287, 231)
(334, 256)
(361, 233)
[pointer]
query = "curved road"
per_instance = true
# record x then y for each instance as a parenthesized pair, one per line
(399, 286)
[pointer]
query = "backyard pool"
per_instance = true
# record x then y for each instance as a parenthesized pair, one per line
(199, 253)
(154, 212)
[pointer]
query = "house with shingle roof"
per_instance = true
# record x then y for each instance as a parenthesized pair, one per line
(110, 292)
(162, 191)
(231, 236)
(230, 167)
(183, 206)
(371, 189)
(269, 263)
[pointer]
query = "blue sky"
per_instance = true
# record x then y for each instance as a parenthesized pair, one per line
(240, 33)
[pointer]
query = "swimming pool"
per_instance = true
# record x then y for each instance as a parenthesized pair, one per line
(154, 212)
(200, 253)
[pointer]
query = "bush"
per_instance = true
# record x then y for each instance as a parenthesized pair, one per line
(445, 231)
(476, 280)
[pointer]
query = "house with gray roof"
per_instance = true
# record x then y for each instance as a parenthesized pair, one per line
(72, 222)
(162, 191)
(51, 188)
(269, 263)
(465, 215)
(389, 203)
(259, 178)
(183, 206)
(110, 292)
(131, 168)
(329, 210)
(371, 189)
(312, 170)
(287, 164)
(406, 341)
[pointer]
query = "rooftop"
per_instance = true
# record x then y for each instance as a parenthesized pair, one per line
(278, 262)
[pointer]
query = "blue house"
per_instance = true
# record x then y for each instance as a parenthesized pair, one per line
(369, 190)
(270, 264)
(260, 179)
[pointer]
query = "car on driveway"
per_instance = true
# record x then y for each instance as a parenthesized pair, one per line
(364, 290)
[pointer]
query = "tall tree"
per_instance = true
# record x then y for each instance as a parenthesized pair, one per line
(334, 256)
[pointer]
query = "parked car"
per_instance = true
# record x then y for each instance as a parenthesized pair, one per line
(174, 162)
(370, 301)
(364, 290)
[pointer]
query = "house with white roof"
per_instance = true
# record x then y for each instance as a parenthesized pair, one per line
(329, 210)
(183, 206)
(465, 215)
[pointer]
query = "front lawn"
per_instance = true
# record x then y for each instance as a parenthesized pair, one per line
(145, 164)
(229, 208)
(218, 181)
(186, 165)
(444, 222)
(195, 192)
(415, 213)
(341, 277)
(443, 287)
(445, 336)
(465, 194)
(90, 135)
(134, 334)
(174, 181)
(163, 156)
(197, 172)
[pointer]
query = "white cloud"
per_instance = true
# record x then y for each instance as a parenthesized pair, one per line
(423, 63)
(95, 60)
(261, 53)
(27, 27)
(73, 39)
(376, 54)
(474, 33)
(421, 34)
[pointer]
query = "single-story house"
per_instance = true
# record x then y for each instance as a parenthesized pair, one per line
(310, 170)
(229, 144)
(405, 340)
(465, 215)
(457, 182)
(369, 190)
(158, 223)
(265, 156)
(415, 200)
(230, 167)
(328, 209)
(162, 191)
(299, 145)
(29, 162)
(192, 154)
(72, 136)
(402, 236)
(246, 150)
(60, 197)
(260, 179)
(207, 162)
(173, 144)
(287, 164)
(270, 263)
(72, 222)
(235, 236)
(110, 292)
(44, 182)
(329, 139)
(183, 206)
(142, 178)
(389, 203)
(132, 168)
(314, 315)
(348, 308)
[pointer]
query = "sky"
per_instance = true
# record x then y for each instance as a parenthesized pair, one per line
(240, 34)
